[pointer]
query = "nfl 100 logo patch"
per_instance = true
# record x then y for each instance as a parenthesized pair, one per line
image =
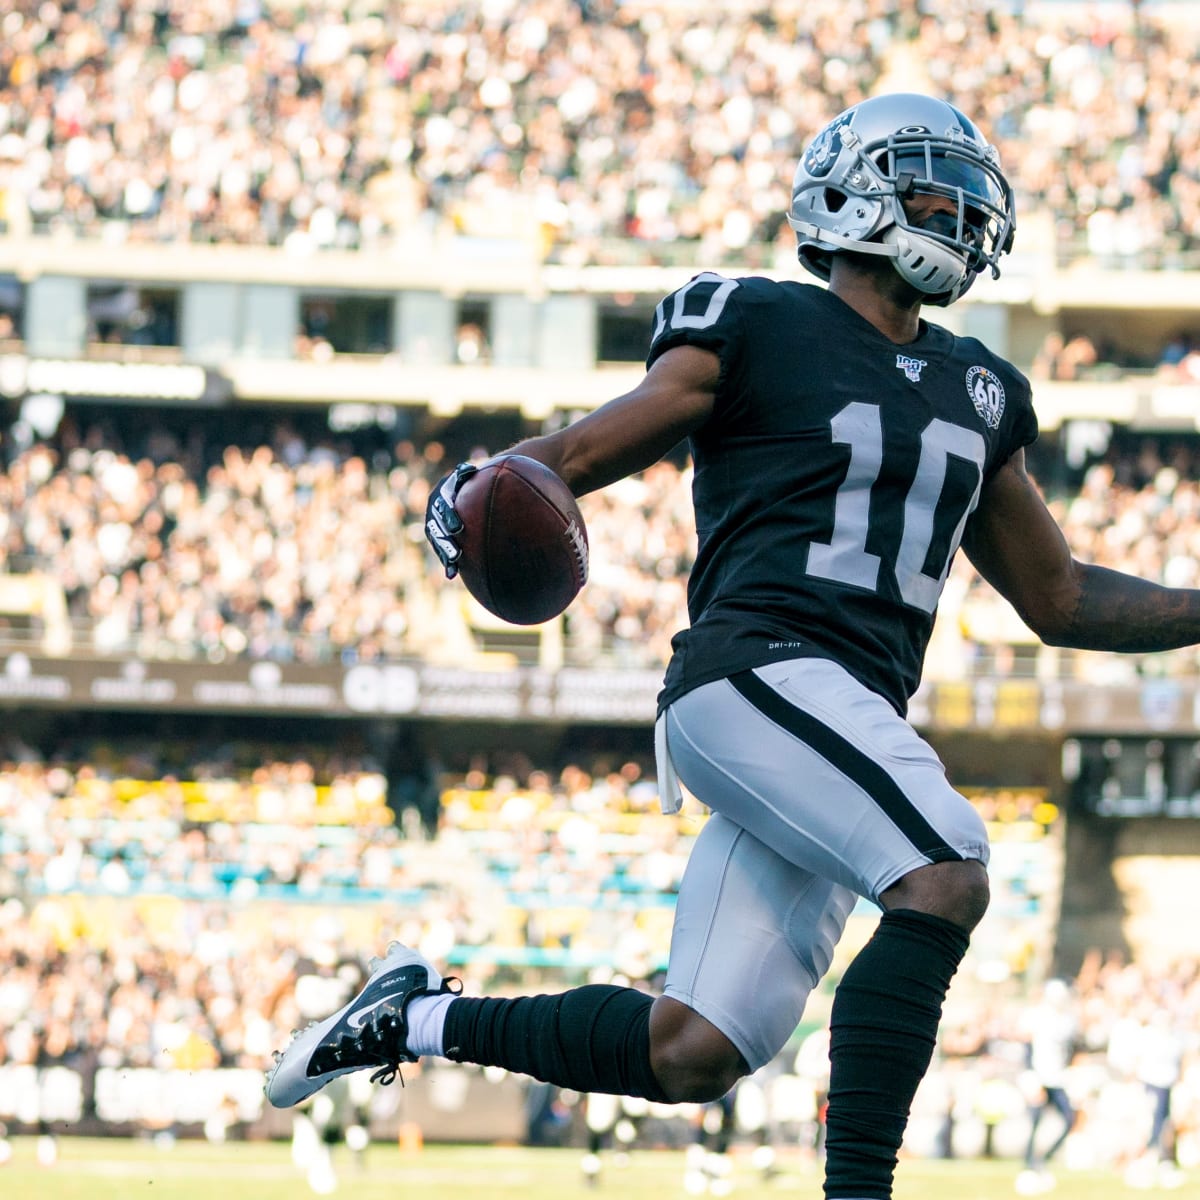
(911, 367)
(987, 394)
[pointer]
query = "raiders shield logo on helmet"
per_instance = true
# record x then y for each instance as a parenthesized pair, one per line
(822, 154)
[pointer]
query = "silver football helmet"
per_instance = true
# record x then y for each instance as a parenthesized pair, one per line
(848, 193)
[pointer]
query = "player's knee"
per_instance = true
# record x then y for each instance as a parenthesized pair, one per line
(693, 1061)
(955, 891)
(689, 1078)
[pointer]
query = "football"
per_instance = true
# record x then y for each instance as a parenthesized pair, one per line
(524, 543)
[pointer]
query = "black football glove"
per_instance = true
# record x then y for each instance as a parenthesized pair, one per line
(441, 520)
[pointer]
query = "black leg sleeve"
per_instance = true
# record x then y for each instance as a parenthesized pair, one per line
(592, 1039)
(883, 1030)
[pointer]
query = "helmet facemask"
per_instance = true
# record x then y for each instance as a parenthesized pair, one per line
(945, 252)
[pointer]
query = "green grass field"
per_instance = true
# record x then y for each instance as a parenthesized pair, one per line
(121, 1170)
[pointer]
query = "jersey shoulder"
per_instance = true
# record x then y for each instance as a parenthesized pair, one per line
(979, 353)
(1000, 392)
(719, 312)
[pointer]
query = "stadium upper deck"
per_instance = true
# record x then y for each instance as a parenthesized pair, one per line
(599, 132)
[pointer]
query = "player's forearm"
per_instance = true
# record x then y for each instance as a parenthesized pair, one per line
(635, 430)
(1114, 611)
(564, 453)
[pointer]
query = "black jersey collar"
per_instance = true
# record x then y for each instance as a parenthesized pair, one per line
(932, 341)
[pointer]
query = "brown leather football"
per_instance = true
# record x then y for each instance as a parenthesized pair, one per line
(524, 543)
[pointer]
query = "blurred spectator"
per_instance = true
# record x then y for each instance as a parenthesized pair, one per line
(471, 345)
(1063, 360)
(1158, 1066)
(1188, 371)
(1174, 352)
(1047, 360)
(1052, 1032)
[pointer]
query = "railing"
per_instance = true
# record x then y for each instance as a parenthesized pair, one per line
(1075, 249)
(501, 264)
(975, 659)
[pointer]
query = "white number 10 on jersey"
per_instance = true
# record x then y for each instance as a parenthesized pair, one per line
(845, 559)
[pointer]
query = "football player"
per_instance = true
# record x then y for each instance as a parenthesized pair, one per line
(844, 448)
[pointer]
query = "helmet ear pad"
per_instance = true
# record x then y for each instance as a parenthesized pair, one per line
(856, 217)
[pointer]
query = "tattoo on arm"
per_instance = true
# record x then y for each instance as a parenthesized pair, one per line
(1115, 611)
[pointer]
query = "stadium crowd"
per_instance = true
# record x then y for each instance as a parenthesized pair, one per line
(307, 546)
(245, 821)
(1135, 510)
(139, 935)
(298, 550)
(601, 129)
(193, 901)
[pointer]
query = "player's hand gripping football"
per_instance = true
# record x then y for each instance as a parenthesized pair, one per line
(442, 522)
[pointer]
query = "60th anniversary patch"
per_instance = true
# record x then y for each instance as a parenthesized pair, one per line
(987, 394)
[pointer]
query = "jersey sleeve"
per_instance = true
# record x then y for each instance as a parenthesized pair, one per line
(1023, 423)
(1004, 399)
(705, 312)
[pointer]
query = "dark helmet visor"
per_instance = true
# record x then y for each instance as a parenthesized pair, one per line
(924, 162)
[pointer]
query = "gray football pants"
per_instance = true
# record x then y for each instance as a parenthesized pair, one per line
(820, 793)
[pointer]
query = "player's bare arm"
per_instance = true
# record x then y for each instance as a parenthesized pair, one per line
(1017, 546)
(622, 437)
(635, 430)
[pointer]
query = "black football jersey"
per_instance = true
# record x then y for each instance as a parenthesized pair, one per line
(833, 480)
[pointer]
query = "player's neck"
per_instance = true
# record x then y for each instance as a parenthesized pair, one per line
(879, 296)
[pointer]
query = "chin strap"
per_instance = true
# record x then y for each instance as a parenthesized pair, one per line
(838, 241)
(929, 266)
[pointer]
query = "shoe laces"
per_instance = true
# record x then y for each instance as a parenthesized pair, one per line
(378, 1039)
(380, 1036)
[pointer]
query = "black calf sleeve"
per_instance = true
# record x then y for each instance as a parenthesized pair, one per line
(883, 1030)
(592, 1039)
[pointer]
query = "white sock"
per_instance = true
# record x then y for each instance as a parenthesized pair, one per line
(426, 1021)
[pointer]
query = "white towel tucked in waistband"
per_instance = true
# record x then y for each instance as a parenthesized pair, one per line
(670, 796)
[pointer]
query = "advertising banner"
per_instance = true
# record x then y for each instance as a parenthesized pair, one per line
(531, 694)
